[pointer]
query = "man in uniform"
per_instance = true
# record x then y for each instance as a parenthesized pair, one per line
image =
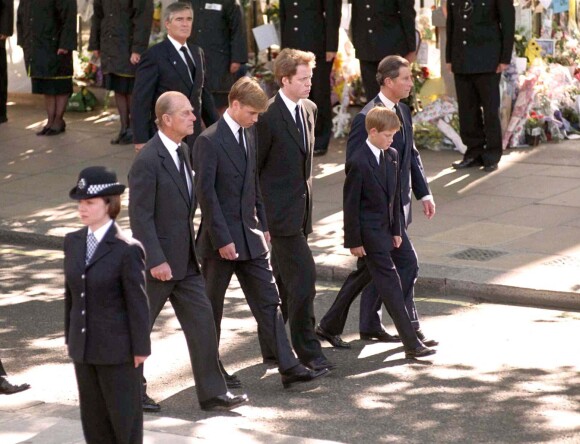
(218, 29)
(480, 39)
(380, 28)
(312, 25)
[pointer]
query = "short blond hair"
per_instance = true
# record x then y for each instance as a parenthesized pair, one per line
(248, 92)
(286, 64)
(381, 119)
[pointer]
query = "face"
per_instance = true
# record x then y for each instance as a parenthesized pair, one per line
(179, 25)
(93, 212)
(381, 139)
(400, 87)
(180, 121)
(244, 115)
(298, 86)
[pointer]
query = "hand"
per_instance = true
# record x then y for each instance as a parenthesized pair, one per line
(502, 67)
(448, 66)
(397, 241)
(162, 272)
(3, 37)
(358, 251)
(411, 57)
(234, 67)
(138, 147)
(138, 360)
(62, 51)
(330, 56)
(96, 53)
(135, 57)
(267, 236)
(428, 208)
(229, 252)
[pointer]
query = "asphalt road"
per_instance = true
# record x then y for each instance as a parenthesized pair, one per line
(502, 374)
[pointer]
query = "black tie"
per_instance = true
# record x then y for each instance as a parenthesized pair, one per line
(182, 169)
(189, 62)
(241, 140)
(299, 122)
(400, 116)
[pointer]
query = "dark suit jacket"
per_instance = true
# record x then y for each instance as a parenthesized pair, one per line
(385, 28)
(478, 42)
(285, 167)
(106, 307)
(310, 25)
(370, 201)
(226, 185)
(6, 17)
(221, 33)
(412, 174)
(160, 208)
(162, 69)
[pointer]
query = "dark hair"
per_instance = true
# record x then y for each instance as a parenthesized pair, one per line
(175, 7)
(389, 68)
(114, 203)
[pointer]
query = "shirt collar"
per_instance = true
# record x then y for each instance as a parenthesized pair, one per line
(376, 151)
(234, 126)
(289, 103)
(387, 102)
(168, 143)
(100, 233)
(176, 44)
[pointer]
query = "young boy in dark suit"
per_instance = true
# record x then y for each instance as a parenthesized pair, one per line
(372, 229)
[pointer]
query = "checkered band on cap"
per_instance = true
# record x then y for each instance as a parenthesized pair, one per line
(94, 189)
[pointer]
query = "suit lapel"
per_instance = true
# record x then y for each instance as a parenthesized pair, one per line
(177, 62)
(79, 250)
(392, 171)
(381, 176)
(104, 246)
(310, 130)
(199, 68)
(251, 157)
(229, 144)
(171, 168)
(290, 123)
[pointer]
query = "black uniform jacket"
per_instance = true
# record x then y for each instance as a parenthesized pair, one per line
(310, 25)
(480, 37)
(119, 28)
(370, 201)
(219, 29)
(44, 26)
(106, 305)
(382, 27)
(227, 188)
(285, 167)
(6, 17)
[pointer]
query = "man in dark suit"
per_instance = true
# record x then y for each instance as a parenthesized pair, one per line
(312, 25)
(372, 229)
(161, 209)
(6, 30)
(480, 39)
(285, 145)
(9, 389)
(220, 31)
(233, 231)
(172, 65)
(380, 28)
(395, 78)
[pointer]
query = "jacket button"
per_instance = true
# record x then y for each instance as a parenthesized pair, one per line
(465, 17)
(464, 42)
(304, 196)
(295, 29)
(464, 29)
(370, 31)
(83, 312)
(83, 330)
(83, 276)
(82, 295)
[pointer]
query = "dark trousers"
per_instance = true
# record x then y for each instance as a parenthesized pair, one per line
(320, 94)
(257, 282)
(2, 371)
(479, 124)
(295, 274)
(405, 260)
(194, 313)
(3, 79)
(110, 401)
(368, 72)
(379, 269)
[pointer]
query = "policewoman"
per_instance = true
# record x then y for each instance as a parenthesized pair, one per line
(106, 312)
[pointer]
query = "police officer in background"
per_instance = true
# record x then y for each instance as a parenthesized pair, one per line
(480, 39)
(380, 28)
(218, 28)
(312, 25)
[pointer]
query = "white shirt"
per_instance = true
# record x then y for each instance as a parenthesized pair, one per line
(178, 46)
(376, 151)
(100, 232)
(290, 104)
(234, 126)
(172, 148)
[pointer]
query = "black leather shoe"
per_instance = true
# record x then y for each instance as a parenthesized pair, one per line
(335, 340)
(149, 405)
(490, 168)
(55, 131)
(43, 131)
(3, 119)
(9, 389)
(381, 336)
(232, 381)
(466, 163)
(425, 340)
(319, 363)
(226, 401)
(301, 374)
(419, 352)
(320, 151)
